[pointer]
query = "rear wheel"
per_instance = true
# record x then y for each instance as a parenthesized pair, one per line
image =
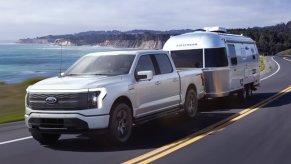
(120, 126)
(246, 92)
(242, 94)
(45, 139)
(249, 91)
(191, 104)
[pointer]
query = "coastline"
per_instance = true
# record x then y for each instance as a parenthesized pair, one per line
(152, 43)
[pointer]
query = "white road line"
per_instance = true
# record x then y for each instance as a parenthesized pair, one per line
(285, 58)
(15, 140)
(278, 69)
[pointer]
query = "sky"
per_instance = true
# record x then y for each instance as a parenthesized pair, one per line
(32, 18)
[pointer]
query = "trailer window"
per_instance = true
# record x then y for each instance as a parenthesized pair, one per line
(215, 57)
(243, 53)
(254, 55)
(188, 58)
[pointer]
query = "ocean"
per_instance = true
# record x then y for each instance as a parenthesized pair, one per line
(19, 62)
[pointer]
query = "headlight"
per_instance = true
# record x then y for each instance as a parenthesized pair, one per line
(27, 99)
(93, 99)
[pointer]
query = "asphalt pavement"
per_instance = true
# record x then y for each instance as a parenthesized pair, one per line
(263, 136)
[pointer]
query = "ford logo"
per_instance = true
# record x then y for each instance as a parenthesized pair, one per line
(51, 100)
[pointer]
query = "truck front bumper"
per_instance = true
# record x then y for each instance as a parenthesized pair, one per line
(65, 123)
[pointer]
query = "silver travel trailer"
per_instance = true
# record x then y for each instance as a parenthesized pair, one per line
(230, 63)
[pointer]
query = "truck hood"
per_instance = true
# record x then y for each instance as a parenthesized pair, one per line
(74, 82)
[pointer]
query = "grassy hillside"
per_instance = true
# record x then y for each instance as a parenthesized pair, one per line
(262, 65)
(285, 53)
(12, 100)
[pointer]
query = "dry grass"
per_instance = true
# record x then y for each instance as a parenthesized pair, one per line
(262, 64)
(12, 100)
(285, 53)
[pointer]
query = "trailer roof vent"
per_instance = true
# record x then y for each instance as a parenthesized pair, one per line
(215, 29)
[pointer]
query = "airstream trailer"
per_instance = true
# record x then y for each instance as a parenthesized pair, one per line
(230, 62)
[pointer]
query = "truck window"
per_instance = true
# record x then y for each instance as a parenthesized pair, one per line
(145, 64)
(164, 63)
(215, 57)
(232, 54)
(188, 58)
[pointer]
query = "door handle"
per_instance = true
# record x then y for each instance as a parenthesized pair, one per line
(157, 82)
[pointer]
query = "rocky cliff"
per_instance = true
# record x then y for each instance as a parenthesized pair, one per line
(141, 39)
(140, 44)
(33, 41)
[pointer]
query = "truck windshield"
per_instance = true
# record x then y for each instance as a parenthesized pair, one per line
(108, 65)
(188, 58)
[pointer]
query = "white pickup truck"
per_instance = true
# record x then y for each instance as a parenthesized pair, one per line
(111, 91)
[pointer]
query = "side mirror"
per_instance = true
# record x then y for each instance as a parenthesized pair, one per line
(144, 75)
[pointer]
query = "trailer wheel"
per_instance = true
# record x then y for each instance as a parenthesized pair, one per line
(249, 91)
(243, 93)
(120, 125)
(45, 139)
(191, 104)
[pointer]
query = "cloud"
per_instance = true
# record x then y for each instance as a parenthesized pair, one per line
(32, 18)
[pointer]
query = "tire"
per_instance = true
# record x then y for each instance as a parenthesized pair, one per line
(243, 93)
(45, 139)
(120, 125)
(249, 91)
(191, 104)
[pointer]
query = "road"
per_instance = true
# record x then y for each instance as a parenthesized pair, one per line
(223, 132)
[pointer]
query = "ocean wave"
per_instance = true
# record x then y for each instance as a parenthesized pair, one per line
(8, 43)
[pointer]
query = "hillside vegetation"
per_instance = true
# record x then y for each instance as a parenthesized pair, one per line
(271, 39)
(12, 100)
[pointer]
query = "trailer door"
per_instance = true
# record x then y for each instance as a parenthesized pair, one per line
(235, 73)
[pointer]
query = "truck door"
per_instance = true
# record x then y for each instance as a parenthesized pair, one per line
(158, 93)
(169, 82)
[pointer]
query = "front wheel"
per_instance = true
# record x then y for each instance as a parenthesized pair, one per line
(191, 104)
(45, 139)
(120, 125)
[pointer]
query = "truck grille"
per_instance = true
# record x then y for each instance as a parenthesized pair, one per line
(70, 101)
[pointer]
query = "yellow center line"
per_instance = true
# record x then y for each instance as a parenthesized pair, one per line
(169, 148)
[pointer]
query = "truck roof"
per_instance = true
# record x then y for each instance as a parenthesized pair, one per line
(128, 52)
(203, 39)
